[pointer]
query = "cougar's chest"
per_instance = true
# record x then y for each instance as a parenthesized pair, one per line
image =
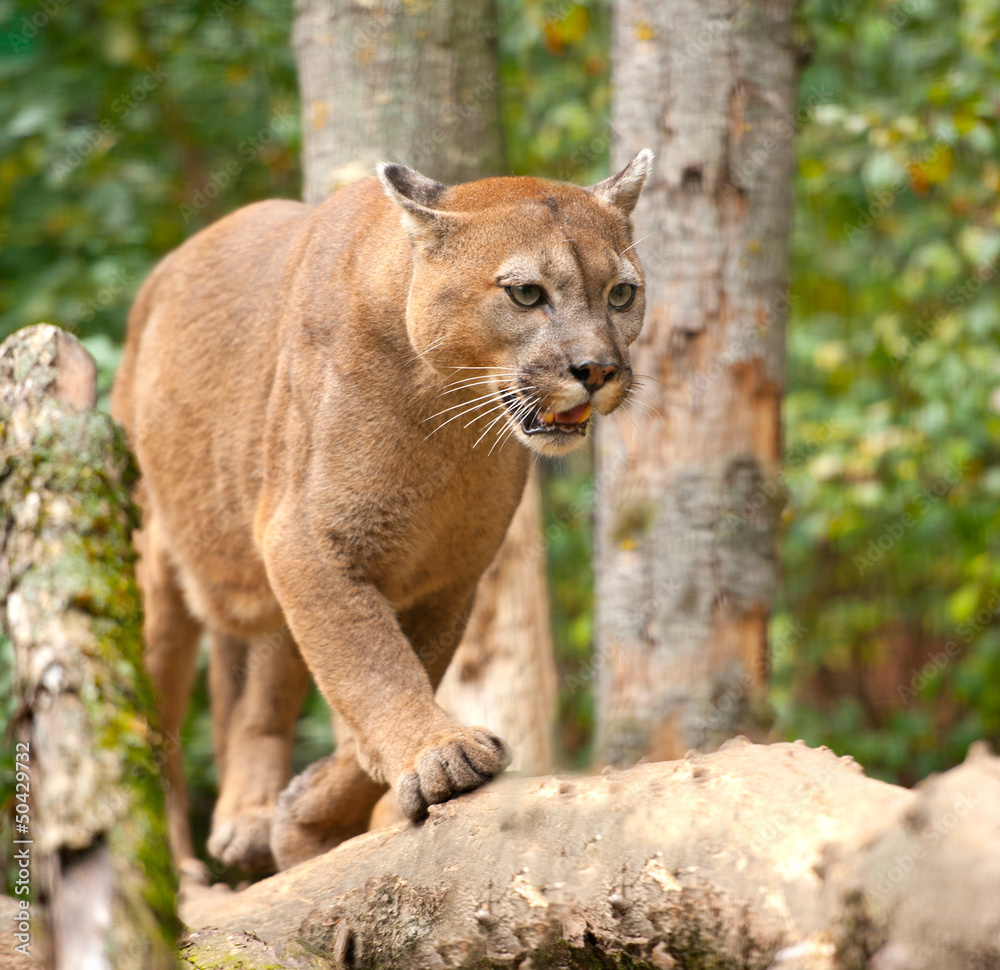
(451, 518)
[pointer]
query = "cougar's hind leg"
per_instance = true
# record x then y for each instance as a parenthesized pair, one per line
(227, 661)
(328, 803)
(170, 635)
(263, 697)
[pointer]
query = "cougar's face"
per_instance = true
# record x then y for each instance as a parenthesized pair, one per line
(568, 310)
(525, 298)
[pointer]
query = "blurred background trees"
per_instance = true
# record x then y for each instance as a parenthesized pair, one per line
(125, 127)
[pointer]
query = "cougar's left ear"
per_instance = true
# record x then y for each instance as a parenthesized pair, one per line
(621, 191)
(417, 195)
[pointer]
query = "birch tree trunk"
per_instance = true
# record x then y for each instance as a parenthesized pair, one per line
(418, 83)
(689, 497)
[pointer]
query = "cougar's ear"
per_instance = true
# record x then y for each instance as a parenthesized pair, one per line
(417, 195)
(621, 191)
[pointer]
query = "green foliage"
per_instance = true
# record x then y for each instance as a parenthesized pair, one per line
(125, 127)
(556, 97)
(893, 413)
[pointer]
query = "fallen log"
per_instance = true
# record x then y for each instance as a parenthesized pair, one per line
(89, 829)
(775, 856)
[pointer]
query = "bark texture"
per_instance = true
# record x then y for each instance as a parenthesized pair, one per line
(689, 484)
(418, 83)
(504, 675)
(754, 857)
(70, 606)
(397, 81)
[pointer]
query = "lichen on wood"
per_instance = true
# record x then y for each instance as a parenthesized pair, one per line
(71, 608)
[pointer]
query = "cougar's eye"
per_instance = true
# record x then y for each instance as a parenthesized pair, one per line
(621, 295)
(527, 294)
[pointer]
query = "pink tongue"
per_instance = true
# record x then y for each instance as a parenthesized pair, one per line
(573, 415)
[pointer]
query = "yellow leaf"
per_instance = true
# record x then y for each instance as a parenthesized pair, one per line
(811, 168)
(964, 121)
(644, 31)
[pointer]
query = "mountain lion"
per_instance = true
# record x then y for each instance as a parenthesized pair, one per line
(333, 410)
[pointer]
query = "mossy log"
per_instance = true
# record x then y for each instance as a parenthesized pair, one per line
(101, 873)
(754, 857)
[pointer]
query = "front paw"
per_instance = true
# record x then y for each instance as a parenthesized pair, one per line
(454, 764)
(243, 841)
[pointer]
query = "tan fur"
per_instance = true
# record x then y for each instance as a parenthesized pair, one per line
(281, 385)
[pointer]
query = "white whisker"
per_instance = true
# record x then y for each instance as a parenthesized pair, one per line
(636, 243)
(515, 417)
(502, 405)
(633, 398)
(499, 417)
(471, 384)
(460, 414)
(475, 381)
(472, 408)
(433, 346)
(518, 416)
(461, 404)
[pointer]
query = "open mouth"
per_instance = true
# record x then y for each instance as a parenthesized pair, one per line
(538, 421)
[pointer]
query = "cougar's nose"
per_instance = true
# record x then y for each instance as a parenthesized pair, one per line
(593, 375)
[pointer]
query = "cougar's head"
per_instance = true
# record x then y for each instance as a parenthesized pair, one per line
(525, 297)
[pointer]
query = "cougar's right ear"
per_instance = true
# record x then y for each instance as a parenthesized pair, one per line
(621, 191)
(416, 195)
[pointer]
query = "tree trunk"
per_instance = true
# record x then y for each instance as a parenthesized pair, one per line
(503, 675)
(395, 81)
(418, 83)
(92, 835)
(689, 486)
(777, 857)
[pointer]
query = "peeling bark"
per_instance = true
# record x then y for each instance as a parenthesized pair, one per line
(689, 486)
(70, 606)
(754, 857)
